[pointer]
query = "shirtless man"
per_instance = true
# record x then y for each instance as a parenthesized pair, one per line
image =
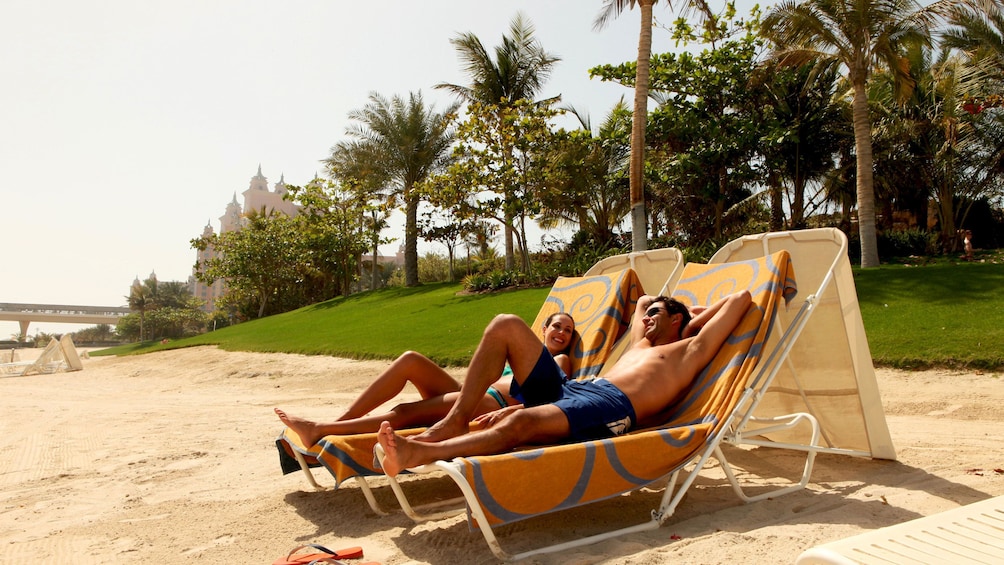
(669, 350)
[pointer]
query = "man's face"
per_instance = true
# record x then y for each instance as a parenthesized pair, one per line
(659, 323)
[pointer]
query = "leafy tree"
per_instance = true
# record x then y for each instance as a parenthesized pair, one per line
(450, 234)
(259, 262)
(160, 309)
(640, 114)
(333, 236)
(809, 124)
(500, 170)
(862, 35)
(515, 75)
(705, 134)
(404, 142)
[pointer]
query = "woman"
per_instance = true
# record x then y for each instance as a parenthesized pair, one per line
(438, 390)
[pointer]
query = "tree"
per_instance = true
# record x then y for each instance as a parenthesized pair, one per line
(404, 142)
(809, 126)
(500, 168)
(610, 8)
(587, 176)
(334, 232)
(704, 136)
(260, 262)
(861, 35)
(517, 72)
(140, 300)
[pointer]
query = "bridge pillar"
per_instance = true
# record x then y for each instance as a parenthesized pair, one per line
(24, 328)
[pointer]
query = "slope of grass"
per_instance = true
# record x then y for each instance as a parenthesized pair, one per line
(433, 319)
(940, 314)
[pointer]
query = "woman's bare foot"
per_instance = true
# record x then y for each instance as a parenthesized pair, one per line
(399, 452)
(308, 430)
(442, 430)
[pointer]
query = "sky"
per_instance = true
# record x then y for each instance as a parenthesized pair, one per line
(126, 127)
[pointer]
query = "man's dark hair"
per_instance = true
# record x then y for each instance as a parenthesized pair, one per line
(674, 306)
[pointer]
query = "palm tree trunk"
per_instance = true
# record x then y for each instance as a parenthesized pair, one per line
(776, 209)
(865, 182)
(411, 240)
(639, 229)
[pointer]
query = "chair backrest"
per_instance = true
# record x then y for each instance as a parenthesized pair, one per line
(829, 371)
(717, 389)
(657, 269)
(601, 306)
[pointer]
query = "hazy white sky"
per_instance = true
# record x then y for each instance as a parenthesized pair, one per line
(126, 126)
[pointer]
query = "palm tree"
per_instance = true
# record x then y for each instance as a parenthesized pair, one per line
(517, 71)
(140, 300)
(861, 35)
(812, 123)
(587, 183)
(405, 142)
(640, 114)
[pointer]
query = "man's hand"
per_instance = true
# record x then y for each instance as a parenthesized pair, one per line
(491, 418)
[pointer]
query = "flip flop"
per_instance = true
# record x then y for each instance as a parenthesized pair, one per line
(304, 559)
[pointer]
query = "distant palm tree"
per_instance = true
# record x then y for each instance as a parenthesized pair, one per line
(406, 142)
(140, 300)
(612, 8)
(517, 71)
(862, 35)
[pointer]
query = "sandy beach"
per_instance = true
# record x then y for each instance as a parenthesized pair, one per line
(170, 458)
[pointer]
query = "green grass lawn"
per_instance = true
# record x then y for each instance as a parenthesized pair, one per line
(941, 314)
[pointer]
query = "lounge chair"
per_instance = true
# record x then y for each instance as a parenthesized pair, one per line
(601, 304)
(968, 534)
(658, 269)
(564, 476)
(723, 405)
(827, 372)
(57, 357)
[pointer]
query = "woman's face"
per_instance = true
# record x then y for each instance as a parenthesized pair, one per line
(558, 333)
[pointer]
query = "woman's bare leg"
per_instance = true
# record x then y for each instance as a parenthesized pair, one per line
(429, 378)
(408, 415)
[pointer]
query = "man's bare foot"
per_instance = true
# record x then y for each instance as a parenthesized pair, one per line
(442, 430)
(398, 451)
(307, 430)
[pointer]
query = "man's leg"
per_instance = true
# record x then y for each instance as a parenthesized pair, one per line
(537, 424)
(507, 338)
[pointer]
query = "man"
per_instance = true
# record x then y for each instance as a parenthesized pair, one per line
(669, 350)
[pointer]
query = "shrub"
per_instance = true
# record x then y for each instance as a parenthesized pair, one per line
(904, 243)
(476, 282)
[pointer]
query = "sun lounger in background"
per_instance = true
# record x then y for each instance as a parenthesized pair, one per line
(828, 372)
(968, 534)
(601, 305)
(657, 269)
(57, 357)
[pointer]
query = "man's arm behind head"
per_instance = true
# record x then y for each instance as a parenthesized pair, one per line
(711, 328)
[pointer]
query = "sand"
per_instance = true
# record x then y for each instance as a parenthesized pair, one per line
(170, 458)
